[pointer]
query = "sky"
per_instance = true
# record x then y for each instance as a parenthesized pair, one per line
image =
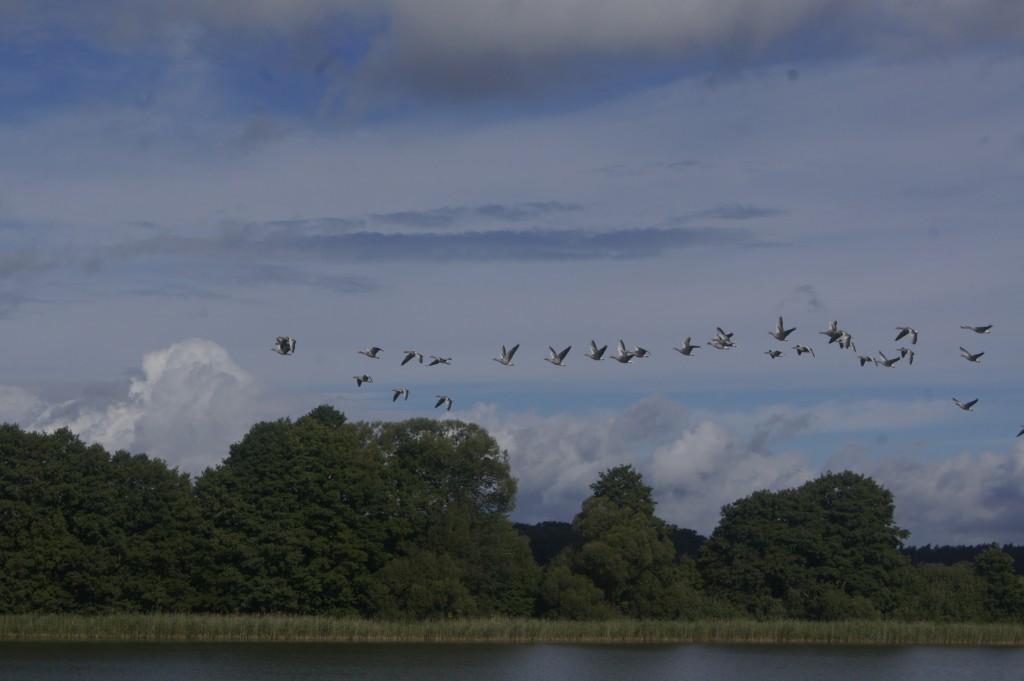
(182, 182)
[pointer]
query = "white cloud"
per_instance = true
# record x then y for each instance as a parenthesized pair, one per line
(191, 402)
(696, 468)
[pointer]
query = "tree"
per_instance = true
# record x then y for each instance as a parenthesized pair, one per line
(451, 493)
(1003, 591)
(298, 517)
(84, 531)
(626, 552)
(826, 550)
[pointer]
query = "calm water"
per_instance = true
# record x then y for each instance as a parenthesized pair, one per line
(501, 662)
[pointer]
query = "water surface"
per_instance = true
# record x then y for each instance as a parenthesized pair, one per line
(62, 661)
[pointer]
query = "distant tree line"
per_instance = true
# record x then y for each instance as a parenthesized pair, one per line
(410, 520)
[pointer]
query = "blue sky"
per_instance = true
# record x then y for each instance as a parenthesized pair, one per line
(182, 182)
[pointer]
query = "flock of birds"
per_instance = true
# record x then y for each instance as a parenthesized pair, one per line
(722, 340)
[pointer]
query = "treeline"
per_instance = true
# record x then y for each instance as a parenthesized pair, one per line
(410, 520)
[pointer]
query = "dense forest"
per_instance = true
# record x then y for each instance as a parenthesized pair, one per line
(410, 520)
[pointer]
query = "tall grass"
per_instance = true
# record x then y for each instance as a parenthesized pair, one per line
(187, 627)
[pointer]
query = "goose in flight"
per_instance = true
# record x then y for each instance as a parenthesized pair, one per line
(885, 361)
(284, 345)
(1021, 431)
(410, 355)
(596, 353)
(398, 392)
(908, 353)
(774, 354)
(371, 352)
(846, 341)
(721, 344)
(966, 406)
(506, 355)
(722, 340)
(864, 359)
(977, 329)
(624, 356)
(687, 348)
(833, 331)
(907, 331)
(439, 360)
(445, 400)
(362, 379)
(557, 358)
(640, 352)
(781, 333)
(976, 357)
(801, 349)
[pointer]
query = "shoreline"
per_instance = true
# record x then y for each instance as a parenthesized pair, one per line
(179, 627)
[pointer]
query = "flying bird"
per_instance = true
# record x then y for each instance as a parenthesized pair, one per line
(506, 355)
(399, 392)
(410, 355)
(370, 352)
(362, 379)
(885, 361)
(445, 400)
(908, 353)
(557, 358)
(439, 360)
(977, 329)
(722, 340)
(687, 348)
(801, 349)
(781, 333)
(624, 356)
(284, 345)
(596, 353)
(976, 357)
(774, 354)
(864, 359)
(1021, 431)
(833, 331)
(907, 331)
(966, 406)
(721, 344)
(640, 352)
(846, 341)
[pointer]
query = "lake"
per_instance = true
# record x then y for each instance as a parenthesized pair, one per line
(80, 661)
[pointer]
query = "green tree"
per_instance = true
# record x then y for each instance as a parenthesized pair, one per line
(826, 550)
(944, 593)
(297, 515)
(84, 531)
(451, 494)
(626, 553)
(1003, 592)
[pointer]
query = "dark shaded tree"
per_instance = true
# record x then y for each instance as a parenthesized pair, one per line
(1003, 592)
(626, 554)
(84, 531)
(826, 550)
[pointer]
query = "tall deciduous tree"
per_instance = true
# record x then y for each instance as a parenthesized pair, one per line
(84, 531)
(451, 492)
(626, 555)
(825, 550)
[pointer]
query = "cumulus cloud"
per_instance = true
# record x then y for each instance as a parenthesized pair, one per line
(971, 498)
(190, 402)
(694, 468)
(696, 465)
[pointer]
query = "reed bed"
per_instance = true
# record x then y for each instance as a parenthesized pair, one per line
(292, 628)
